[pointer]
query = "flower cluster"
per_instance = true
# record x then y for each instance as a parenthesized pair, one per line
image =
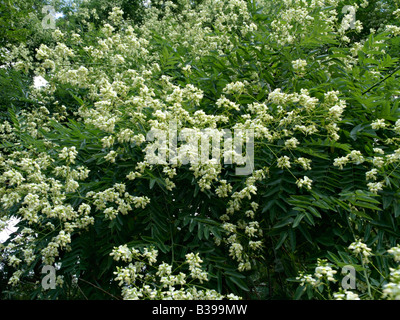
(361, 248)
(346, 295)
(391, 290)
(116, 200)
(305, 181)
(299, 65)
(323, 272)
(395, 251)
(144, 279)
(388, 289)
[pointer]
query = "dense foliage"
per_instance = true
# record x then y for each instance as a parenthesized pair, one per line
(315, 81)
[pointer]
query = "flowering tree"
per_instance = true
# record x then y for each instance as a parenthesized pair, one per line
(117, 187)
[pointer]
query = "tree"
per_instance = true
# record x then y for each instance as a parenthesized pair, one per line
(120, 213)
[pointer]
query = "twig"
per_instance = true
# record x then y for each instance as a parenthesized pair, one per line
(384, 79)
(82, 292)
(99, 289)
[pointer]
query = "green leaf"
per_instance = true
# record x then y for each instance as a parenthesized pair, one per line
(299, 292)
(240, 283)
(297, 220)
(314, 212)
(281, 240)
(283, 223)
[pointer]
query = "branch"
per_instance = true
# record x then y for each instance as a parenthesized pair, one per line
(384, 79)
(99, 288)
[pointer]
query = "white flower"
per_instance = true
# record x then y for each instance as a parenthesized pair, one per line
(391, 290)
(340, 162)
(278, 97)
(378, 124)
(229, 227)
(307, 279)
(13, 177)
(397, 125)
(395, 30)
(378, 162)
(68, 154)
(283, 162)
(236, 251)
(324, 270)
(254, 245)
(251, 229)
(299, 65)
(306, 129)
(346, 295)
(361, 248)
(133, 175)
(141, 202)
(304, 162)
(187, 68)
(292, 143)
(15, 278)
(164, 269)
(395, 251)
(194, 262)
(14, 261)
(233, 88)
(305, 181)
(356, 156)
(116, 15)
(111, 156)
(151, 255)
(371, 175)
(231, 296)
(244, 266)
(336, 111)
(378, 150)
(223, 190)
(331, 97)
(123, 252)
(374, 187)
(110, 213)
(223, 102)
